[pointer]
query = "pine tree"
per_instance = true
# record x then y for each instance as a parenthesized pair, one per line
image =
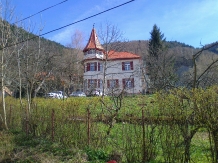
(156, 42)
(159, 63)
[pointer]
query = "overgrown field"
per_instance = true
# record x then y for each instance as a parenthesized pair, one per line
(175, 126)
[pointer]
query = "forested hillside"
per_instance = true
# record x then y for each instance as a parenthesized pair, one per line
(182, 51)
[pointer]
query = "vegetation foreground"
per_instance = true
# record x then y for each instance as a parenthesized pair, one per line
(176, 126)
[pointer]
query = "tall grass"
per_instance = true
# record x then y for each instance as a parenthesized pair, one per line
(6, 145)
(82, 123)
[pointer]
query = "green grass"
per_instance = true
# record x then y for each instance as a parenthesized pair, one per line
(70, 128)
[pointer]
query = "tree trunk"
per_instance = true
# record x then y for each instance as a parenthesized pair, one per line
(187, 141)
(188, 132)
(215, 139)
(3, 91)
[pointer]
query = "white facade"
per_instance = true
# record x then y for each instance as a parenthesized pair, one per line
(116, 78)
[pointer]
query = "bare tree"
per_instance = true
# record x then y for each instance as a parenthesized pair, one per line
(204, 70)
(113, 42)
(207, 73)
(7, 13)
(72, 61)
(111, 38)
(19, 35)
(161, 74)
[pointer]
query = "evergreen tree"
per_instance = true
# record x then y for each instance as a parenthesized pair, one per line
(159, 63)
(156, 42)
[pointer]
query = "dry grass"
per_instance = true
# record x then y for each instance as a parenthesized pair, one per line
(6, 145)
(21, 150)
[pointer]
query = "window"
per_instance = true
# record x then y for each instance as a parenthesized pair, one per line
(126, 66)
(85, 84)
(92, 83)
(91, 66)
(128, 83)
(114, 83)
(95, 83)
(100, 83)
(100, 66)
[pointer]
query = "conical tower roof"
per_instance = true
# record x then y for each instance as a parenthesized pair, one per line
(93, 42)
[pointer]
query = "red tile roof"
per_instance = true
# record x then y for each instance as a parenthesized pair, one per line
(93, 42)
(112, 55)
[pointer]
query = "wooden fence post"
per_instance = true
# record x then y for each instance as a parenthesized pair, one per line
(52, 124)
(144, 138)
(88, 126)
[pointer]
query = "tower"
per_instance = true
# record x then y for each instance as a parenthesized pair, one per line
(93, 64)
(93, 49)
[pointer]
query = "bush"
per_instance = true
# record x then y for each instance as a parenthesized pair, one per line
(94, 154)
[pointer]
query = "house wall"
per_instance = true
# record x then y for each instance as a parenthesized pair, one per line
(115, 72)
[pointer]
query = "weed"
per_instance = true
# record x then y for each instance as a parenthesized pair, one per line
(96, 154)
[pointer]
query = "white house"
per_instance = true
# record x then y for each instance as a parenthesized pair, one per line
(111, 72)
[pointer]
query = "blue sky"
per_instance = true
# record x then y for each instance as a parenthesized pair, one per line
(193, 22)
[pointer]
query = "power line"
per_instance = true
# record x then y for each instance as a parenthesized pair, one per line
(68, 24)
(86, 18)
(40, 12)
